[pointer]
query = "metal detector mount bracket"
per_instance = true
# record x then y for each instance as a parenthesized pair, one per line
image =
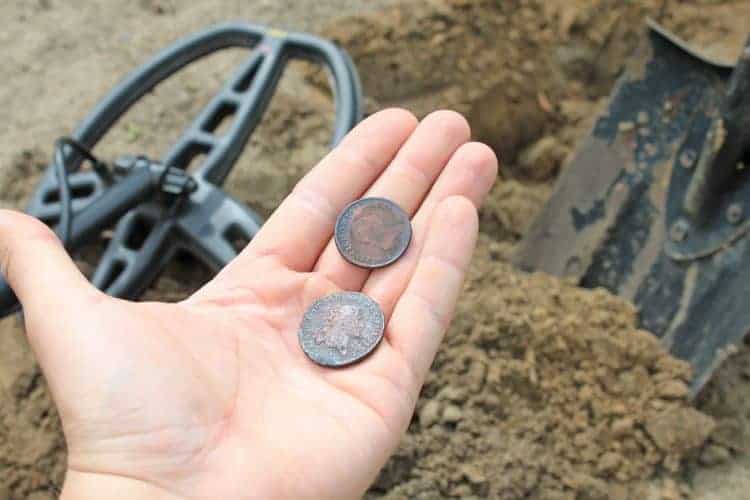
(207, 220)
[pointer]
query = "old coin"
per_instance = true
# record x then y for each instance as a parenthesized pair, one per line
(372, 232)
(341, 328)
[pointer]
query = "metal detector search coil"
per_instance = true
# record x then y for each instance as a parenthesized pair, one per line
(136, 195)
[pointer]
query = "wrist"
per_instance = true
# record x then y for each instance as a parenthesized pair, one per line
(95, 486)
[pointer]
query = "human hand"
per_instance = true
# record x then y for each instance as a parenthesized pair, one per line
(213, 397)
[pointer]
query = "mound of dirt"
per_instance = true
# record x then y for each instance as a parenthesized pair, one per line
(506, 65)
(544, 390)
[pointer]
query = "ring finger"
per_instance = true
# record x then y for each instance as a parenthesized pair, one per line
(406, 182)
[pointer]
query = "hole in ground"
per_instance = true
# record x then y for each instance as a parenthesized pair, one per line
(507, 126)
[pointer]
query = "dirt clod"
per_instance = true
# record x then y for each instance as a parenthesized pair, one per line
(430, 413)
(541, 160)
(679, 429)
(568, 373)
(452, 414)
(673, 389)
(714, 454)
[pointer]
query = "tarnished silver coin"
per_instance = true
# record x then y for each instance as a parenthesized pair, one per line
(341, 328)
(372, 232)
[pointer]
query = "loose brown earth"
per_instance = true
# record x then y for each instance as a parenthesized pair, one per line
(541, 390)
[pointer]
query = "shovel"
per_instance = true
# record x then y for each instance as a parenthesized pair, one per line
(655, 207)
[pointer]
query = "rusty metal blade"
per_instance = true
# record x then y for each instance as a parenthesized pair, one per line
(614, 209)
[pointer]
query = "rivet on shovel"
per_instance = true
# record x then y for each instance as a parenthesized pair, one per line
(687, 158)
(734, 213)
(679, 230)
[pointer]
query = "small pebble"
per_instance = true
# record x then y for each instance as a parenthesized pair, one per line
(714, 454)
(473, 474)
(673, 389)
(670, 490)
(430, 414)
(452, 393)
(452, 414)
(609, 462)
(622, 426)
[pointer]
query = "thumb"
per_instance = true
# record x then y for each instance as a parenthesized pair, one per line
(38, 269)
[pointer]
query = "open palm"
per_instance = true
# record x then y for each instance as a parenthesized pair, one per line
(213, 397)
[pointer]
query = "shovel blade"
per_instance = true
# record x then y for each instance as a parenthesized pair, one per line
(612, 213)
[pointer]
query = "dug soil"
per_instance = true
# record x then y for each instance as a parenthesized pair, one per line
(542, 390)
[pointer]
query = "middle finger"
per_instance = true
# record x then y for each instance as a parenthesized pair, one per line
(406, 182)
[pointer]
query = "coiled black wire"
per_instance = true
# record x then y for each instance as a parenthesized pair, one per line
(62, 167)
(61, 163)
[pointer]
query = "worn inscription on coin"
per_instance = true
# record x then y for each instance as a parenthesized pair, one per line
(372, 232)
(341, 328)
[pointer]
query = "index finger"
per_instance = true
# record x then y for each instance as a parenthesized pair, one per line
(300, 228)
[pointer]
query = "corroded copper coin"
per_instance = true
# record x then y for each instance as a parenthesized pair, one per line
(341, 328)
(372, 232)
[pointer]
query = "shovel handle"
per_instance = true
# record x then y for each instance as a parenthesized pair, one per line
(727, 141)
